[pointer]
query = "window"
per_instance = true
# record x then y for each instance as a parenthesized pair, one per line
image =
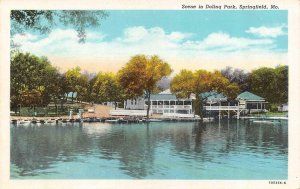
(182, 111)
(187, 102)
(166, 103)
(179, 102)
(172, 102)
(160, 102)
(253, 106)
(154, 102)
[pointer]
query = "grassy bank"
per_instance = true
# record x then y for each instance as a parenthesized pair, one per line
(270, 114)
(43, 111)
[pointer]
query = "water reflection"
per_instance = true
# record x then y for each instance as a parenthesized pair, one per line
(146, 150)
(36, 148)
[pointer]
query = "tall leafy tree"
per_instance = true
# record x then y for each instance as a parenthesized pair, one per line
(270, 83)
(141, 74)
(263, 83)
(32, 80)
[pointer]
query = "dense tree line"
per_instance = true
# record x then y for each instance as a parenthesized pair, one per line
(270, 83)
(35, 82)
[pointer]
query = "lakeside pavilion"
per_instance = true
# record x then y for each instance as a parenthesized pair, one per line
(245, 102)
(251, 102)
(167, 103)
(162, 103)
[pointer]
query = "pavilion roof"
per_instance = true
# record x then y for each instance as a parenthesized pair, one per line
(250, 96)
(213, 96)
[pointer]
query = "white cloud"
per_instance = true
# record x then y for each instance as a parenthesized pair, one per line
(178, 36)
(21, 38)
(135, 34)
(224, 42)
(264, 31)
(97, 52)
(153, 38)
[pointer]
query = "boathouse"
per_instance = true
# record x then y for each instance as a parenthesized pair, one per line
(245, 102)
(251, 102)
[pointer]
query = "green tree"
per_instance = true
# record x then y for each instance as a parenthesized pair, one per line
(32, 80)
(200, 81)
(270, 83)
(282, 83)
(182, 84)
(43, 21)
(141, 74)
(107, 89)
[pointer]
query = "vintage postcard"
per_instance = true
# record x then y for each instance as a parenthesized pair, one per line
(139, 94)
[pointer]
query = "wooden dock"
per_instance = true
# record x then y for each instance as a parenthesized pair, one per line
(125, 120)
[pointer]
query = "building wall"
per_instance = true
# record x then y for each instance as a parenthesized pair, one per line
(283, 108)
(135, 104)
(161, 106)
(171, 106)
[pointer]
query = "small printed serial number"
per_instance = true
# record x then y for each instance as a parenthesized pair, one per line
(277, 182)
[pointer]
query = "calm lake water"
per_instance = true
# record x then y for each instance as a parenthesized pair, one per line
(159, 150)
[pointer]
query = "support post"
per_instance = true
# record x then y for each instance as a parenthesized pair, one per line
(228, 111)
(238, 112)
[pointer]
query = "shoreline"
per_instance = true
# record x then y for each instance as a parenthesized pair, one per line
(22, 120)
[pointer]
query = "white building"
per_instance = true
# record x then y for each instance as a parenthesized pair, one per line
(164, 102)
(283, 108)
(167, 103)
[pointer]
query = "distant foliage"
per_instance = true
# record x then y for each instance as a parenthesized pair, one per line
(35, 82)
(238, 76)
(106, 88)
(76, 82)
(164, 83)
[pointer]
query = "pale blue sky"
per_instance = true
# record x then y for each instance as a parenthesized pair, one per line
(185, 39)
(201, 23)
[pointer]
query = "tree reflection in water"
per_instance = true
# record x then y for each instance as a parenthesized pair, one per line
(137, 147)
(37, 147)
